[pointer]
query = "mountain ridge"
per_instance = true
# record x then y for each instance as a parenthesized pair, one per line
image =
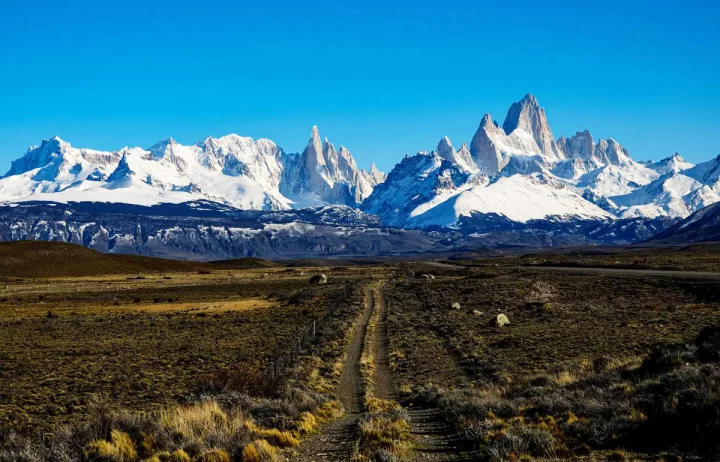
(518, 171)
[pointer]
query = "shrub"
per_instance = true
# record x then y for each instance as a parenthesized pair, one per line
(244, 378)
(708, 344)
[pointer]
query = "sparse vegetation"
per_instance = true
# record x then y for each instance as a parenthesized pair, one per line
(666, 403)
(155, 367)
(384, 430)
(581, 377)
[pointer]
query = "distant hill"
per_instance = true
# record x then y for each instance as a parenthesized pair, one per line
(29, 259)
(701, 226)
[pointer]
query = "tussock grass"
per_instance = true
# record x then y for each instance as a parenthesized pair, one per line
(214, 455)
(259, 451)
(384, 436)
(176, 456)
(120, 448)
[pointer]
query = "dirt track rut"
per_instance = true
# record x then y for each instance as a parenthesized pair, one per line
(384, 386)
(336, 441)
(435, 439)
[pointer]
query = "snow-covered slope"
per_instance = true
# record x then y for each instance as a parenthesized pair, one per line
(234, 170)
(433, 190)
(54, 166)
(519, 172)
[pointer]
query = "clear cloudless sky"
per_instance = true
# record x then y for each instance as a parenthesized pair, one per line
(383, 78)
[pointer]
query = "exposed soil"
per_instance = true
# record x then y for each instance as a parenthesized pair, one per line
(435, 438)
(350, 390)
(336, 442)
(384, 386)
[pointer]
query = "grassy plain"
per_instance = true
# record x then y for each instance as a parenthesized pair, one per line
(144, 341)
(573, 374)
(166, 361)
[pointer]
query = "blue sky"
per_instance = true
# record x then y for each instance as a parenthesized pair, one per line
(382, 78)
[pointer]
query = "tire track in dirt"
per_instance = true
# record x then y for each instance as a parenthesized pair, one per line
(435, 438)
(350, 388)
(337, 440)
(384, 386)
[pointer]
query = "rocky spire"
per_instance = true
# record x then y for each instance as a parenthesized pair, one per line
(484, 150)
(375, 176)
(313, 153)
(331, 159)
(609, 151)
(445, 149)
(528, 116)
(461, 158)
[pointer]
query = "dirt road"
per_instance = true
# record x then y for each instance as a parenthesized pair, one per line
(384, 386)
(594, 270)
(336, 442)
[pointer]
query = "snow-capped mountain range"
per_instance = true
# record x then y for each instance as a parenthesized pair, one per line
(517, 171)
(232, 170)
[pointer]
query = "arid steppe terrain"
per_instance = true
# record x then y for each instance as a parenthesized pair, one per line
(114, 358)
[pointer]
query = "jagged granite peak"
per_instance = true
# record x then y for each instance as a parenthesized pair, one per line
(485, 149)
(579, 146)
(376, 175)
(611, 152)
(675, 162)
(527, 115)
(313, 153)
(323, 175)
(330, 155)
(461, 158)
(445, 149)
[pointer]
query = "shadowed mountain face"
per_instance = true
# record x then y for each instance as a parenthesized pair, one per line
(210, 231)
(701, 226)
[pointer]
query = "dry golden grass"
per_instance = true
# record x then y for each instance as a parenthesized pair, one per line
(306, 424)
(376, 405)
(176, 456)
(214, 455)
(278, 438)
(387, 431)
(259, 451)
(215, 307)
(120, 448)
(199, 421)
